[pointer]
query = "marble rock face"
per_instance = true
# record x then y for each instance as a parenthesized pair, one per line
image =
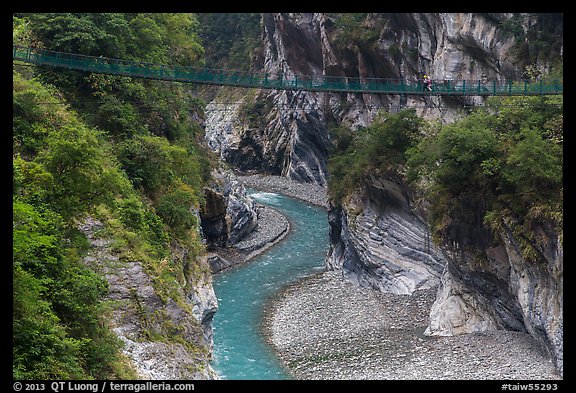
(379, 242)
(139, 313)
(506, 292)
(229, 214)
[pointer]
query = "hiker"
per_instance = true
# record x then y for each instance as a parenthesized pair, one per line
(427, 82)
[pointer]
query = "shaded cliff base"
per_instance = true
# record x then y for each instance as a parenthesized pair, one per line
(324, 327)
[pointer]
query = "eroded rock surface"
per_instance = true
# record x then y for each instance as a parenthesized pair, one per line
(378, 241)
(154, 330)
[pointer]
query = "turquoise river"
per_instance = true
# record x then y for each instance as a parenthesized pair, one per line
(240, 349)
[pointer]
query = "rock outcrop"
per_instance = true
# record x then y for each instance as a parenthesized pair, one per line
(204, 304)
(234, 226)
(163, 338)
(379, 241)
(228, 215)
(505, 291)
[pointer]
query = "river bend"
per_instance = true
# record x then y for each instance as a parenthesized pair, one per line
(240, 348)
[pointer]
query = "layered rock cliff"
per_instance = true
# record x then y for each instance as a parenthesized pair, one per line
(163, 338)
(379, 240)
(492, 283)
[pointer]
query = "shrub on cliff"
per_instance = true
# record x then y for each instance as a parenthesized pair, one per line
(376, 150)
(500, 164)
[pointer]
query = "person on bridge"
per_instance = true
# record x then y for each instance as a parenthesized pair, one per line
(427, 82)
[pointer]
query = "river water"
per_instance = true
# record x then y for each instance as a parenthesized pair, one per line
(240, 350)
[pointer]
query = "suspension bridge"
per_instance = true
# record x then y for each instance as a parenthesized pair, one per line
(266, 81)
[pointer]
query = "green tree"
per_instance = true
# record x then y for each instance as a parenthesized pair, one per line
(86, 173)
(461, 150)
(534, 165)
(231, 39)
(177, 209)
(148, 162)
(182, 37)
(501, 165)
(41, 347)
(379, 149)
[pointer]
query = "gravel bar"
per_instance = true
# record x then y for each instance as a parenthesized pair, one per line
(272, 225)
(324, 327)
(307, 192)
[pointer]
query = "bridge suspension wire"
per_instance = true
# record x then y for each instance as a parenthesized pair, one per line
(177, 73)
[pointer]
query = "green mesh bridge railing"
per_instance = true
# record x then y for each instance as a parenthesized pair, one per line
(266, 81)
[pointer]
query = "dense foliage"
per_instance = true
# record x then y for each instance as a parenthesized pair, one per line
(499, 166)
(61, 169)
(377, 150)
(124, 152)
(231, 39)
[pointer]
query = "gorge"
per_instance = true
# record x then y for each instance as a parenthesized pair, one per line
(436, 239)
(379, 237)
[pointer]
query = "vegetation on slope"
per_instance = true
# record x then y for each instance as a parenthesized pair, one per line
(123, 151)
(500, 165)
(377, 150)
(62, 169)
(232, 40)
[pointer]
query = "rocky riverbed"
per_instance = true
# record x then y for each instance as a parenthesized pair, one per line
(272, 226)
(325, 327)
(311, 193)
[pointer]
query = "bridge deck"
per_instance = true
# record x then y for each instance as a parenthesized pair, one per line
(265, 81)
